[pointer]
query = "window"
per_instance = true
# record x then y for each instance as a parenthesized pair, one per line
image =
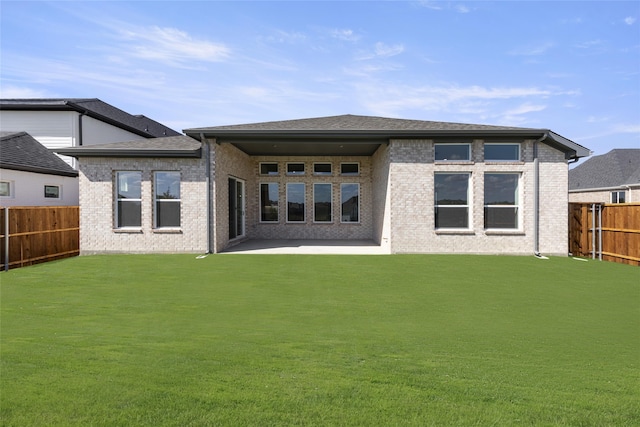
(501, 200)
(51, 191)
(453, 152)
(5, 189)
(350, 169)
(322, 168)
(295, 168)
(269, 202)
(167, 199)
(268, 169)
(322, 202)
(452, 200)
(618, 197)
(295, 202)
(128, 199)
(501, 152)
(350, 202)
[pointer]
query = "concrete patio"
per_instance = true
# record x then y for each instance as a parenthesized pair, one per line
(315, 247)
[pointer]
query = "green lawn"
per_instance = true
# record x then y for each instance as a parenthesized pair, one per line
(263, 340)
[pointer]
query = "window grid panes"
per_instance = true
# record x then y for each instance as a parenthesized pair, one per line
(128, 193)
(451, 200)
(295, 202)
(52, 191)
(269, 202)
(501, 152)
(618, 197)
(322, 205)
(501, 201)
(453, 152)
(167, 199)
(349, 202)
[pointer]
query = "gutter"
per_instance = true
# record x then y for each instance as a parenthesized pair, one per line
(536, 198)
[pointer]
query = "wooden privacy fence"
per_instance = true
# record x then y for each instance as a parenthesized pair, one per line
(31, 235)
(609, 232)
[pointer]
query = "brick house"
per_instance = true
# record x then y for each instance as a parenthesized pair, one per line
(410, 186)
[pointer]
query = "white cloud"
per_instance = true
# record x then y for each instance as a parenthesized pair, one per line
(287, 37)
(462, 8)
(525, 109)
(21, 92)
(629, 20)
(383, 50)
(344, 34)
(533, 50)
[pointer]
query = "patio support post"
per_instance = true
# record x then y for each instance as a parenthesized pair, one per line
(536, 198)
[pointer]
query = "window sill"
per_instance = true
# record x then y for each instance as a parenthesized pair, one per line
(504, 162)
(454, 231)
(454, 162)
(167, 231)
(497, 232)
(128, 230)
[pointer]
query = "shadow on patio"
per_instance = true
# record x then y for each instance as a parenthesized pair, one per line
(317, 247)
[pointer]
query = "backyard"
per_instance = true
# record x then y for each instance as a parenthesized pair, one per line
(231, 340)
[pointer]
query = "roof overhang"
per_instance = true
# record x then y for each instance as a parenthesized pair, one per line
(87, 151)
(35, 169)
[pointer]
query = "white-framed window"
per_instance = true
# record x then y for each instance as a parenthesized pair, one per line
(322, 168)
(128, 199)
(350, 202)
(295, 168)
(453, 152)
(52, 192)
(350, 168)
(295, 202)
(618, 197)
(501, 201)
(501, 152)
(452, 203)
(166, 199)
(269, 195)
(322, 202)
(268, 168)
(6, 189)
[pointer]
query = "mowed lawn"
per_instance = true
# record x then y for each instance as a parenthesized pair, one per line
(272, 340)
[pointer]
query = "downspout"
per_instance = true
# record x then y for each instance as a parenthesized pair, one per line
(536, 197)
(80, 139)
(207, 151)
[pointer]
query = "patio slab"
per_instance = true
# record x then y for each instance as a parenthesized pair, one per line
(315, 247)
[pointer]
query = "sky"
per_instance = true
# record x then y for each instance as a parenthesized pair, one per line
(572, 67)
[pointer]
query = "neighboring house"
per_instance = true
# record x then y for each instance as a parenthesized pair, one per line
(59, 123)
(613, 177)
(411, 186)
(31, 175)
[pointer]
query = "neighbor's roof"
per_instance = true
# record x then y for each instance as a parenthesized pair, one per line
(171, 146)
(93, 107)
(617, 168)
(20, 151)
(331, 135)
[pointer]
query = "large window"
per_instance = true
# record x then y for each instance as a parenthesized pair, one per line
(501, 200)
(128, 209)
(322, 202)
(167, 199)
(269, 202)
(350, 202)
(453, 152)
(295, 202)
(501, 152)
(452, 200)
(618, 197)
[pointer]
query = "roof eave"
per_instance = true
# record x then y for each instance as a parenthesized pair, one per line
(77, 153)
(35, 169)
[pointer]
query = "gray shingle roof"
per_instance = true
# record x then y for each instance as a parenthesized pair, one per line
(20, 151)
(95, 108)
(171, 146)
(616, 168)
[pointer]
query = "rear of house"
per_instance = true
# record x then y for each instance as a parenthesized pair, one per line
(410, 186)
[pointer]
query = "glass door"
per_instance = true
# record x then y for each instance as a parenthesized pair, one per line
(236, 208)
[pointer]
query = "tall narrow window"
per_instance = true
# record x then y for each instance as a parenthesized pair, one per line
(167, 199)
(350, 202)
(322, 203)
(453, 152)
(295, 202)
(452, 200)
(501, 200)
(269, 202)
(128, 209)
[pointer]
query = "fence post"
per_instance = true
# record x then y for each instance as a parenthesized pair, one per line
(6, 239)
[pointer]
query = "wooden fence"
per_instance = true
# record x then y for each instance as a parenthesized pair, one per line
(609, 232)
(31, 235)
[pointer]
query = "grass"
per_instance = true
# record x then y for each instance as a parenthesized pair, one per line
(320, 340)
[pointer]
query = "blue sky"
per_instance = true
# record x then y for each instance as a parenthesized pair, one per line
(572, 66)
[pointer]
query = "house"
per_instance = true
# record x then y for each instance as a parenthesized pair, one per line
(613, 177)
(411, 186)
(76, 122)
(31, 175)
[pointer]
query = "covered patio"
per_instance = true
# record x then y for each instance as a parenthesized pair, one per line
(309, 247)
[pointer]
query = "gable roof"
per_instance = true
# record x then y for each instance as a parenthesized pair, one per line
(617, 168)
(171, 146)
(20, 151)
(93, 107)
(335, 135)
